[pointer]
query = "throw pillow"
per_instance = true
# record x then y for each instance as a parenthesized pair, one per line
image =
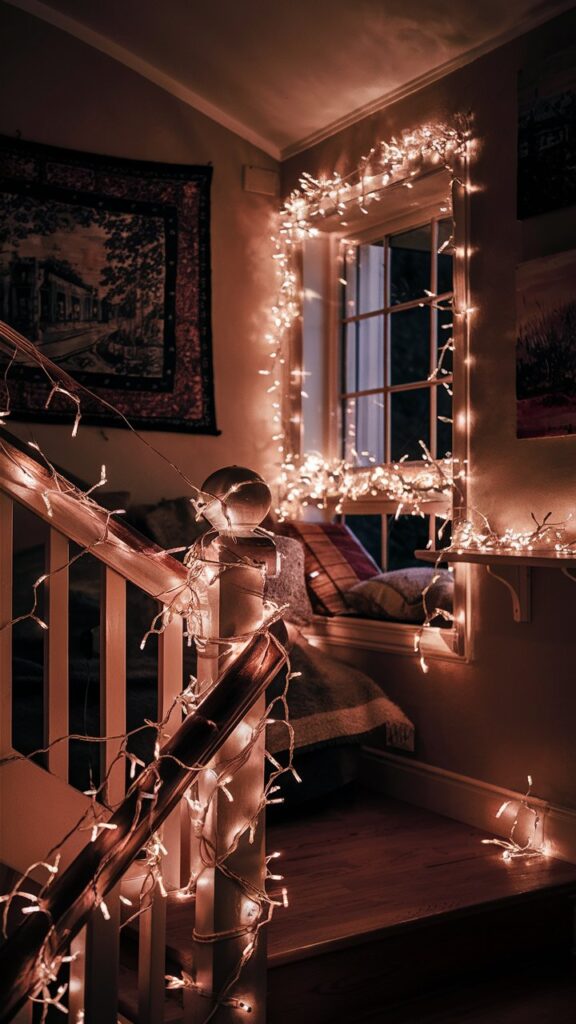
(334, 562)
(398, 595)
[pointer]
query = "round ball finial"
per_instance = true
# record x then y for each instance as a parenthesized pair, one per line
(241, 499)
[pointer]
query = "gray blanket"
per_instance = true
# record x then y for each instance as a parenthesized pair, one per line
(331, 702)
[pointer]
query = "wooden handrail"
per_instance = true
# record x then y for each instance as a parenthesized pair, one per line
(100, 865)
(142, 562)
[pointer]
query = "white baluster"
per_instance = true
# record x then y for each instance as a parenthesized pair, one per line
(113, 681)
(152, 924)
(99, 948)
(56, 654)
(24, 1016)
(6, 573)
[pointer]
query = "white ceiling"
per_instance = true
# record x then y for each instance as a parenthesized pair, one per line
(283, 73)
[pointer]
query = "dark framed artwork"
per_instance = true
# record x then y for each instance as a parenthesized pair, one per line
(105, 267)
(547, 135)
(546, 346)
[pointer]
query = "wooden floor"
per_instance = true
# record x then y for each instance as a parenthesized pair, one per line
(400, 916)
(367, 863)
(547, 999)
(362, 864)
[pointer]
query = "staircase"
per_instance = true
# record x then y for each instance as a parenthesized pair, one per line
(392, 910)
(209, 755)
(389, 904)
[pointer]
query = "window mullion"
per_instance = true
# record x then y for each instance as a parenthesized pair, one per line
(384, 541)
(433, 338)
(386, 382)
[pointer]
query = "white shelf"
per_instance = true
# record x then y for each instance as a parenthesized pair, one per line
(511, 568)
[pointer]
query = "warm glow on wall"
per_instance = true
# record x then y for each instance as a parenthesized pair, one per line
(312, 479)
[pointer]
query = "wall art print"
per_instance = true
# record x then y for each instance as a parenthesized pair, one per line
(546, 346)
(547, 135)
(105, 266)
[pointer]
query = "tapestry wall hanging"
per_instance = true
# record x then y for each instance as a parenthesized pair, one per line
(546, 346)
(547, 135)
(105, 266)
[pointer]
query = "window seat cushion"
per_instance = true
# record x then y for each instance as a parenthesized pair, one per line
(397, 595)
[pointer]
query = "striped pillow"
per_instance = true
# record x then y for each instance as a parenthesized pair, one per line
(334, 562)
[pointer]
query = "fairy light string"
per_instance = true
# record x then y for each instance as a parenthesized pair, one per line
(512, 848)
(94, 820)
(312, 480)
(394, 163)
(202, 571)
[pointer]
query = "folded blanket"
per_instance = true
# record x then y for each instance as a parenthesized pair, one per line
(331, 703)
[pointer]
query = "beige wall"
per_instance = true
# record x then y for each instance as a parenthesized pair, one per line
(513, 709)
(56, 90)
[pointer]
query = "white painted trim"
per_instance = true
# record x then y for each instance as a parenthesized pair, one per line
(193, 99)
(378, 635)
(143, 67)
(469, 800)
(521, 27)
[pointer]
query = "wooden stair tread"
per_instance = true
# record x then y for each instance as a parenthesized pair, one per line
(364, 865)
(548, 998)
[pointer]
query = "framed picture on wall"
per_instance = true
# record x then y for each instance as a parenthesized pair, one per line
(547, 135)
(546, 346)
(105, 267)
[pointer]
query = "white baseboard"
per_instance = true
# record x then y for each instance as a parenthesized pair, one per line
(468, 800)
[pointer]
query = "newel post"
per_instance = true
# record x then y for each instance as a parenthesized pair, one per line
(238, 561)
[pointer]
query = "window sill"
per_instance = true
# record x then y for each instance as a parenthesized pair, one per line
(390, 637)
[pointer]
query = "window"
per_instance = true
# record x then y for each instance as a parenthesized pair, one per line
(380, 299)
(392, 335)
(392, 539)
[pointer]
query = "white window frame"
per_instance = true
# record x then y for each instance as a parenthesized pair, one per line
(378, 233)
(399, 210)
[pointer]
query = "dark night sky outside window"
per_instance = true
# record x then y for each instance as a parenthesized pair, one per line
(391, 334)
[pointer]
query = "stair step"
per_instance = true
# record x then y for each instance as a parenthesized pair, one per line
(518, 998)
(388, 900)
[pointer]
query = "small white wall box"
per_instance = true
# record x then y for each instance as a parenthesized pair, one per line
(261, 180)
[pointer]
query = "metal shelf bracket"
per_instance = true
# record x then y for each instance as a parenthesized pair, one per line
(516, 579)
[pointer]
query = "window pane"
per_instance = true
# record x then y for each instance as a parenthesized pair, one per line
(445, 228)
(443, 429)
(444, 334)
(409, 345)
(410, 264)
(364, 288)
(368, 530)
(410, 422)
(364, 357)
(364, 429)
(371, 277)
(349, 281)
(405, 535)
